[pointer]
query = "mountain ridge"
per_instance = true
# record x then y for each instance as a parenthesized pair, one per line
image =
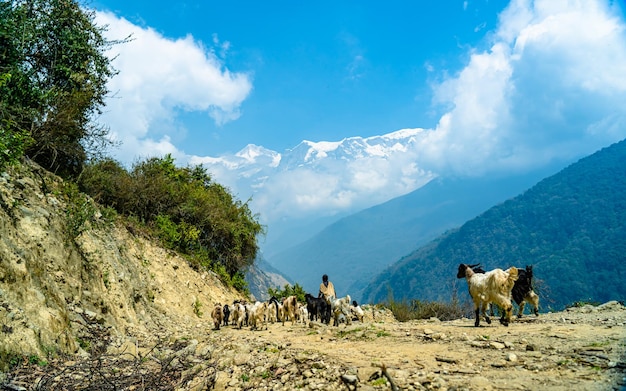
(310, 152)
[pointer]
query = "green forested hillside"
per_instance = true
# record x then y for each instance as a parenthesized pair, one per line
(570, 226)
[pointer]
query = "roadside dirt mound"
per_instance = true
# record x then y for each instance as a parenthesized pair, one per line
(53, 284)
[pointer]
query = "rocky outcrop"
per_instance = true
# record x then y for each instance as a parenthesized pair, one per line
(261, 276)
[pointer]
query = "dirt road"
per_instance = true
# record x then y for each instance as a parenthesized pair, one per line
(580, 349)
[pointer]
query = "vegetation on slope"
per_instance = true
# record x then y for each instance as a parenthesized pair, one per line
(569, 226)
(187, 210)
(53, 76)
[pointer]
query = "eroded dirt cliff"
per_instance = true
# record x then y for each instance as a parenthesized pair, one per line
(52, 285)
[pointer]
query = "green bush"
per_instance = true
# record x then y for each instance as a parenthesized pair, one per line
(582, 303)
(197, 306)
(168, 231)
(13, 143)
(238, 282)
(53, 82)
(80, 210)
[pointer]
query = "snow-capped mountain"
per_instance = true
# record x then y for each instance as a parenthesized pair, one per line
(311, 153)
(350, 149)
(324, 178)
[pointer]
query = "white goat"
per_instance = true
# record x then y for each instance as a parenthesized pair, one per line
(279, 308)
(257, 315)
(272, 311)
(303, 313)
(340, 307)
(290, 307)
(522, 291)
(238, 314)
(491, 287)
(357, 311)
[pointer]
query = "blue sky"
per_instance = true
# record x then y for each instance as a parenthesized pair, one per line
(491, 86)
(320, 70)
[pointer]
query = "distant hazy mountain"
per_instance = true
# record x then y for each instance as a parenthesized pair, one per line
(570, 226)
(356, 248)
(262, 276)
(288, 232)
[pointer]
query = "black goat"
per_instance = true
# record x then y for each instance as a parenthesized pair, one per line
(476, 268)
(226, 311)
(318, 308)
(523, 291)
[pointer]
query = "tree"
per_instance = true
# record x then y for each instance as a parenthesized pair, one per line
(55, 77)
(16, 94)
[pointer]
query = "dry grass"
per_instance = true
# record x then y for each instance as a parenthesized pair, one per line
(417, 309)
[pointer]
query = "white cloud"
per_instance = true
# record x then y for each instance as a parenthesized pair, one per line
(338, 186)
(480, 27)
(158, 76)
(550, 87)
(355, 67)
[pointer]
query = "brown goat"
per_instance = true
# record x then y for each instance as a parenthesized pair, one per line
(218, 315)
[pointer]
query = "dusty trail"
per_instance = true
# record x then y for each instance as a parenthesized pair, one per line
(581, 349)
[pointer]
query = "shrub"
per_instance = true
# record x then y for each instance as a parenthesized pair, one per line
(197, 305)
(582, 303)
(238, 282)
(417, 309)
(80, 210)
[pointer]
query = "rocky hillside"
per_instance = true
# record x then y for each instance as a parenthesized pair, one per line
(53, 286)
(261, 276)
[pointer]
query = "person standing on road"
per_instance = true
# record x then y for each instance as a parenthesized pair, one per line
(327, 288)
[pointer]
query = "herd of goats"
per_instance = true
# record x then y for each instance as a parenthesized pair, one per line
(260, 313)
(498, 287)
